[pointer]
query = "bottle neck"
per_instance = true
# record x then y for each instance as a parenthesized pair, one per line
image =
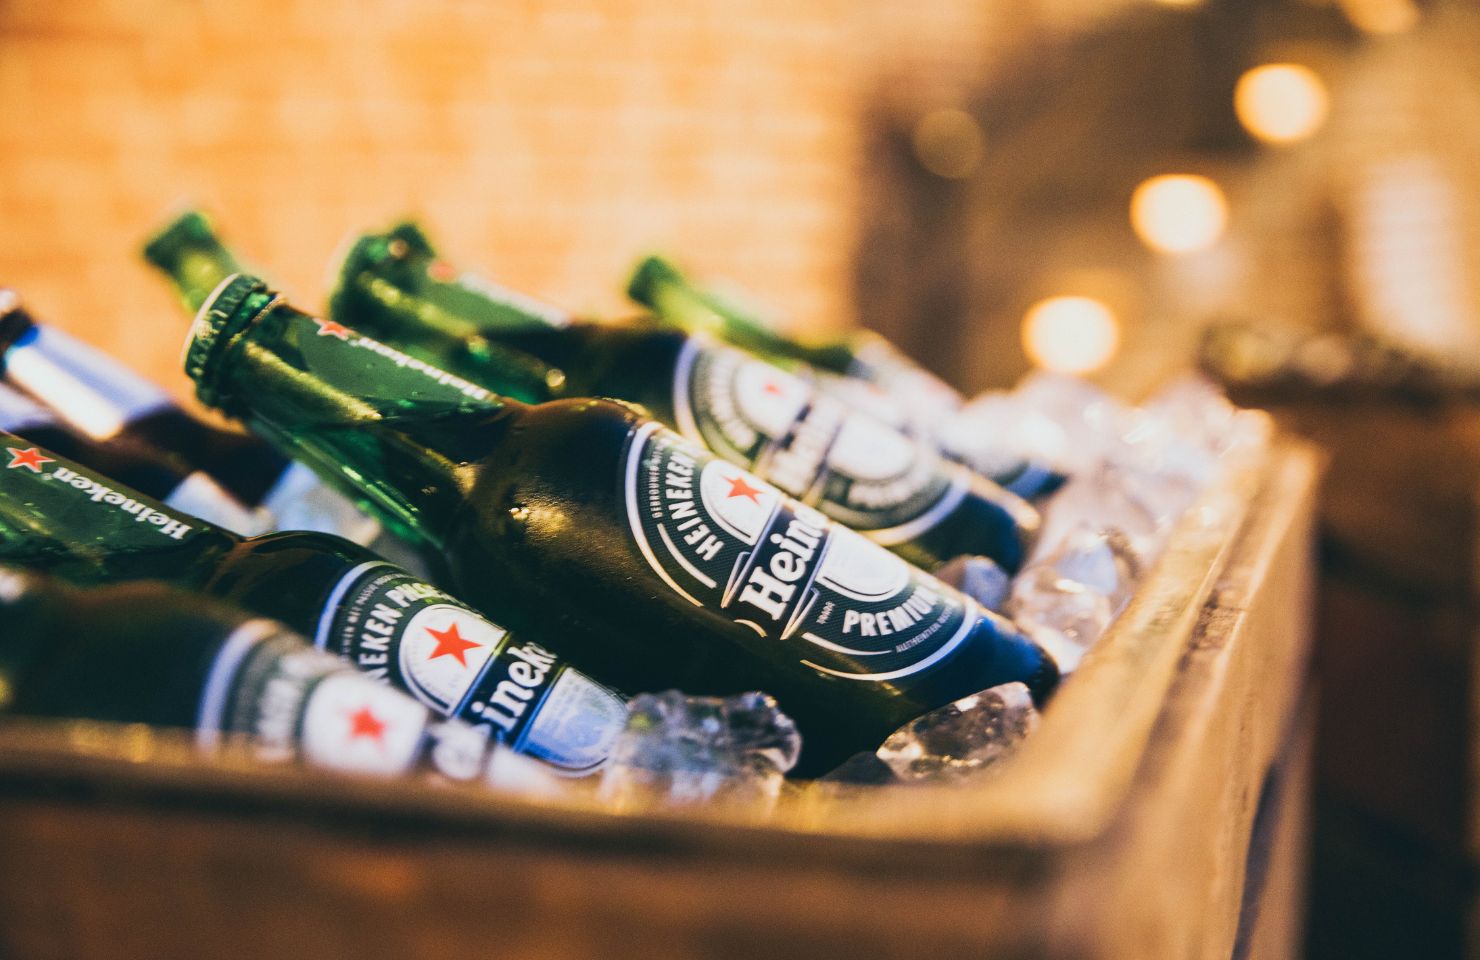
(199, 268)
(57, 514)
(403, 279)
(193, 259)
(659, 286)
(396, 433)
(402, 292)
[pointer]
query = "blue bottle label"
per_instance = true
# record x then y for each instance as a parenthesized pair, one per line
(730, 542)
(415, 637)
(813, 444)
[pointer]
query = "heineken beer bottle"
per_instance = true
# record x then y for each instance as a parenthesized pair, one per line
(191, 254)
(865, 356)
(864, 369)
(57, 515)
(144, 653)
(810, 444)
(652, 562)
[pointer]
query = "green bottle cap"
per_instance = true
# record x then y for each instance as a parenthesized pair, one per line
(651, 272)
(410, 233)
(224, 311)
(189, 229)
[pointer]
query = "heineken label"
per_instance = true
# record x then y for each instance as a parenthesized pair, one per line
(878, 361)
(413, 636)
(1028, 480)
(49, 486)
(812, 444)
(329, 350)
(728, 541)
(291, 703)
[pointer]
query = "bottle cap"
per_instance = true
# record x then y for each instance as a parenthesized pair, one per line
(227, 309)
(653, 270)
(410, 233)
(189, 229)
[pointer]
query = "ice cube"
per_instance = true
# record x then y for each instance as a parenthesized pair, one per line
(677, 749)
(1092, 421)
(1140, 506)
(1067, 599)
(1002, 438)
(962, 738)
(980, 578)
(1196, 410)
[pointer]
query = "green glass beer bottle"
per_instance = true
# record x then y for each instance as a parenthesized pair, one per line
(863, 368)
(862, 355)
(653, 563)
(854, 469)
(58, 516)
(145, 653)
(190, 253)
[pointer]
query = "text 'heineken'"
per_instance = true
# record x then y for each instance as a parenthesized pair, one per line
(95, 396)
(57, 515)
(143, 653)
(783, 426)
(588, 528)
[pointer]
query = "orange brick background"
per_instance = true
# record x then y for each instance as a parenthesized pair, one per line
(548, 142)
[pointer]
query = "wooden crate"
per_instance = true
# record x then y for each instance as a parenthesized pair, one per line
(1157, 812)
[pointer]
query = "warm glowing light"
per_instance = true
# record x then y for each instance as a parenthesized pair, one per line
(1381, 16)
(1179, 213)
(1281, 102)
(1070, 334)
(1179, 3)
(949, 143)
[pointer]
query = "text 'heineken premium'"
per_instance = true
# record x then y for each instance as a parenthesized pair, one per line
(57, 515)
(809, 442)
(589, 528)
(143, 653)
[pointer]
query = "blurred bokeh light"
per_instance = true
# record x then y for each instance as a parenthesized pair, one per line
(1070, 334)
(1281, 102)
(1179, 213)
(949, 143)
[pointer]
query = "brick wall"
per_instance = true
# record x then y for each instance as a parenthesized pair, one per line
(548, 142)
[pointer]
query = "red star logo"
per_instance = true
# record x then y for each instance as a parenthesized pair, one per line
(31, 459)
(450, 644)
(739, 488)
(772, 388)
(364, 723)
(330, 328)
